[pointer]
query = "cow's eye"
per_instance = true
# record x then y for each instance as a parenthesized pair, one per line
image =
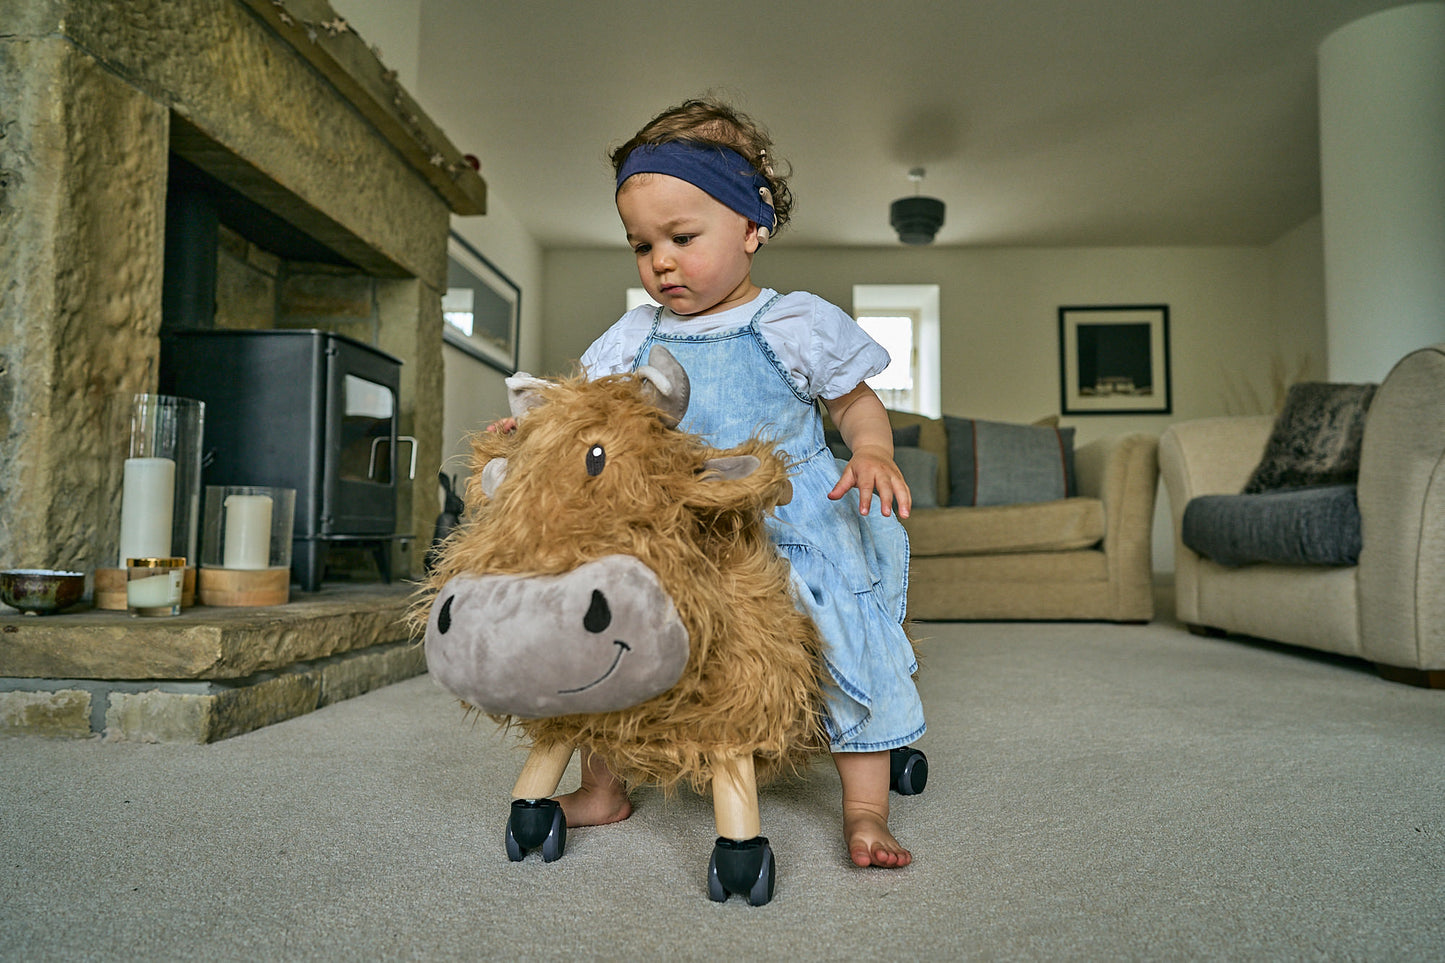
(444, 617)
(596, 458)
(599, 615)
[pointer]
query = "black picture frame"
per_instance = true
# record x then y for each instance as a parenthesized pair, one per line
(1114, 360)
(491, 301)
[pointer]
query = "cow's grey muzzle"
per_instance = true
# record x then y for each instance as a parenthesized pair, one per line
(602, 637)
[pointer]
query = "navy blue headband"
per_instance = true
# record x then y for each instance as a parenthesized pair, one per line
(723, 173)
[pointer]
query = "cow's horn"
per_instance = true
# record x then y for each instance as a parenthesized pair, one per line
(494, 473)
(665, 382)
(524, 393)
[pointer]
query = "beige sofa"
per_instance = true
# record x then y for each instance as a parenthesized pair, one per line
(1390, 607)
(1081, 558)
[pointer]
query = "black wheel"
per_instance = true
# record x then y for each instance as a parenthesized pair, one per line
(515, 852)
(743, 867)
(762, 891)
(534, 824)
(556, 842)
(716, 891)
(910, 771)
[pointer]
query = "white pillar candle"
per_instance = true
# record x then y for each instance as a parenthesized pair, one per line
(148, 492)
(248, 532)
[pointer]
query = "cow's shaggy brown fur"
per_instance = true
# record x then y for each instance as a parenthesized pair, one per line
(752, 682)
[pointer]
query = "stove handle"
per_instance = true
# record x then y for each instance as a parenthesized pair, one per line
(371, 464)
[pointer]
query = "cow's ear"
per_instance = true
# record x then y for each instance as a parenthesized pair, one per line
(740, 467)
(729, 468)
(524, 393)
(734, 482)
(664, 382)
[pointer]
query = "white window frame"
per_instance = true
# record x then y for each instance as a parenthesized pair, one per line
(919, 302)
(637, 298)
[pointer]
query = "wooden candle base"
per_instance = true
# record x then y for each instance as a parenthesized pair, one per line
(110, 589)
(245, 587)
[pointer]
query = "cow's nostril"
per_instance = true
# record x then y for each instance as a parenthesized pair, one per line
(598, 616)
(444, 617)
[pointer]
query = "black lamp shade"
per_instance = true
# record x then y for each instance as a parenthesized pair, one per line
(916, 219)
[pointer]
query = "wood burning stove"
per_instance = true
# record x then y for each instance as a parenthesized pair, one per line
(303, 409)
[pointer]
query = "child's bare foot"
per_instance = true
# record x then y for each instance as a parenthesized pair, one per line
(870, 843)
(594, 807)
(865, 777)
(601, 799)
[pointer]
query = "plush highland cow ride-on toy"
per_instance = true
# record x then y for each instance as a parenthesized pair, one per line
(613, 589)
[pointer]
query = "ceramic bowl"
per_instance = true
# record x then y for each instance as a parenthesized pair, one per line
(40, 590)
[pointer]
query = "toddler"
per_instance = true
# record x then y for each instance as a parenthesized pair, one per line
(698, 195)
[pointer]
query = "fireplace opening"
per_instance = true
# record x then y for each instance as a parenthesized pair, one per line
(275, 331)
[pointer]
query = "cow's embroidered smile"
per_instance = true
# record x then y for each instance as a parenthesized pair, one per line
(622, 647)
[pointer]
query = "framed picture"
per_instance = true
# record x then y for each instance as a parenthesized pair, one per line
(481, 308)
(1114, 359)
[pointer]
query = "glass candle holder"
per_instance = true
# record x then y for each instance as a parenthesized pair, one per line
(153, 487)
(248, 527)
(153, 586)
(161, 477)
(246, 545)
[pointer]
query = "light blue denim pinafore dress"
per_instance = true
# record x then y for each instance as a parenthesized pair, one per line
(850, 571)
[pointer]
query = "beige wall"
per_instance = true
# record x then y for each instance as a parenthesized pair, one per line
(1237, 314)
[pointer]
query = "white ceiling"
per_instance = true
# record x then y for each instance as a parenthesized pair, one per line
(1040, 122)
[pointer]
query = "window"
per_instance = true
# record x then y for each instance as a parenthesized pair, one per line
(637, 297)
(903, 318)
(895, 383)
(457, 309)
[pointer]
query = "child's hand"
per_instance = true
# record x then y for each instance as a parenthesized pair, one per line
(873, 471)
(503, 426)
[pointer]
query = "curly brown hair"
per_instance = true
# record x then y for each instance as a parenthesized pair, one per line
(713, 123)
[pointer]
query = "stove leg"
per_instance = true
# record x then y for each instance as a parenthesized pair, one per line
(308, 562)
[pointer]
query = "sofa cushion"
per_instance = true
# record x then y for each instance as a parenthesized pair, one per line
(1316, 438)
(931, 438)
(920, 469)
(1301, 526)
(1055, 526)
(996, 463)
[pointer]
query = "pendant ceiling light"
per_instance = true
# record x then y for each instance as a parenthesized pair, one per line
(917, 218)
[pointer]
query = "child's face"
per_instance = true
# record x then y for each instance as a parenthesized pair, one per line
(694, 254)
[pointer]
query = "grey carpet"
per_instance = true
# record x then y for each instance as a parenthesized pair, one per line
(1096, 792)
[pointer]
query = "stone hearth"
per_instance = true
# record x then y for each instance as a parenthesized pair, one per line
(207, 674)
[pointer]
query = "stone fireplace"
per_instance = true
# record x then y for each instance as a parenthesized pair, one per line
(294, 116)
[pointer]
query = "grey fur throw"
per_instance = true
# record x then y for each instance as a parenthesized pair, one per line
(1316, 438)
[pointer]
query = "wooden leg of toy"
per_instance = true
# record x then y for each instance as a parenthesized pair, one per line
(735, 797)
(742, 860)
(542, 772)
